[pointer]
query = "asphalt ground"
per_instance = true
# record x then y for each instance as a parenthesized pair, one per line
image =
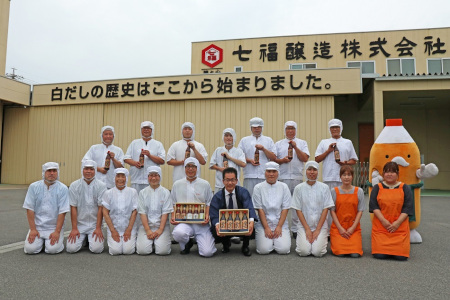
(426, 274)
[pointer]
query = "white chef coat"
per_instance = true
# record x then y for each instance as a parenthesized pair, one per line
(330, 167)
(121, 204)
(247, 144)
(155, 147)
(312, 200)
(272, 199)
(177, 151)
(86, 198)
(98, 153)
(197, 191)
(217, 159)
(155, 203)
(294, 168)
(47, 203)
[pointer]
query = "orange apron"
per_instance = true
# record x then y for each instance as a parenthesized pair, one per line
(346, 210)
(390, 202)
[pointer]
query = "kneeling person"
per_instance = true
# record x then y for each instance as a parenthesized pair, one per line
(154, 208)
(86, 213)
(119, 210)
(231, 197)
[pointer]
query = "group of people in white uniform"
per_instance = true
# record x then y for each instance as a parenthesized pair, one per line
(138, 218)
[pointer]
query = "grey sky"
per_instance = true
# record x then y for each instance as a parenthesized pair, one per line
(62, 41)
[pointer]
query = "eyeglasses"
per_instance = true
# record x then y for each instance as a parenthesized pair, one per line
(230, 180)
(191, 167)
(153, 175)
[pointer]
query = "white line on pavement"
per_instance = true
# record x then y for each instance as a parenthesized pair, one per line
(19, 245)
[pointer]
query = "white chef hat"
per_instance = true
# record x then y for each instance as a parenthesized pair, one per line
(88, 163)
(290, 123)
(335, 122)
(50, 166)
(230, 131)
(122, 171)
(148, 124)
(155, 169)
(271, 165)
(188, 124)
(107, 127)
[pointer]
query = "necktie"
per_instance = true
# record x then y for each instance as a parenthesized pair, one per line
(230, 202)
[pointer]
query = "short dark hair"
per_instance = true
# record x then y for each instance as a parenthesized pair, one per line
(391, 167)
(346, 168)
(229, 170)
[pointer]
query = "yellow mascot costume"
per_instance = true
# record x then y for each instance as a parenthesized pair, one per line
(395, 144)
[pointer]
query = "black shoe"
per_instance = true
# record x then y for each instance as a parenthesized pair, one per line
(187, 248)
(225, 249)
(294, 235)
(246, 251)
(174, 242)
(86, 242)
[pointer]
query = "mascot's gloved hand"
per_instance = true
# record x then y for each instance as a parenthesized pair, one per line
(427, 171)
(376, 178)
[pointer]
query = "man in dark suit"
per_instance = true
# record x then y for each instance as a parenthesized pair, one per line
(240, 199)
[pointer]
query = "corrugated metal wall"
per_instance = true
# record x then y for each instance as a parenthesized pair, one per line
(64, 134)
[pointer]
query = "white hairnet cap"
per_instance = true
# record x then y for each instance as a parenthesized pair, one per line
(148, 124)
(50, 166)
(88, 163)
(335, 122)
(192, 126)
(192, 160)
(230, 131)
(122, 171)
(107, 127)
(290, 123)
(256, 122)
(313, 164)
(271, 165)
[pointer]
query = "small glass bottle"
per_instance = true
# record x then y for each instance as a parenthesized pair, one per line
(195, 216)
(230, 220)
(141, 159)
(202, 212)
(107, 161)
(178, 213)
(237, 221)
(187, 153)
(290, 151)
(183, 212)
(223, 222)
(337, 155)
(189, 213)
(256, 158)
(245, 221)
(225, 161)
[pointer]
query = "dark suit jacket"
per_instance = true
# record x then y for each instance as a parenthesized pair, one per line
(243, 199)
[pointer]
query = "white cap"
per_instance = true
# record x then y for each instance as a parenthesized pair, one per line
(148, 124)
(256, 122)
(290, 123)
(394, 133)
(88, 164)
(313, 164)
(107, 127)
(192, 160)
(335, 122)
(271, 165)
(230, 131)
(121, 171)
(50, 166)
(190, 125)
(155, 169)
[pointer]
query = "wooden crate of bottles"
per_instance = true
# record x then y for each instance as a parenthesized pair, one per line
(190, 212)
(233, 221)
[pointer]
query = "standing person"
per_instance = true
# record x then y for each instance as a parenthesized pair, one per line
(187, 190)
(119, 210)
(391, 203)
(231, 197)
(272, 200)
(311, 200)
(292, 153)
(46, 203)
(228, 154)
(327, 151)
(179, 150)
(258, 144)
(106, 153)
(345, 232)
(86, 212)
(145, 149)
(154, 208)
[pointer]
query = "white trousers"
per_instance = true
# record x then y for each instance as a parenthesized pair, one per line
(292, 183)
(318, 248)
(121, 247)
(36, 246)
(144, 246)
(249, 184)
(202, 233)
(95, 246)
(264, 245)
(331, 185)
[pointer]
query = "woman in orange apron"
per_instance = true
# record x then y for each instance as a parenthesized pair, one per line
(345, 232)
(391, 203)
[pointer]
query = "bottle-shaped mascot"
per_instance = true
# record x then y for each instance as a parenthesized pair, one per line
(395, 144)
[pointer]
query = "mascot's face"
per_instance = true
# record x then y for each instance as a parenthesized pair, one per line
(406, 155)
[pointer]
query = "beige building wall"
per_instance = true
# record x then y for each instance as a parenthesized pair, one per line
(338, 59)
(4, 22)
(65, 133)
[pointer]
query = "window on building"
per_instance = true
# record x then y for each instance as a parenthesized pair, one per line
(303, 66)
(404, 66)
(438, 65)
(367, 67)
(238, 69)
